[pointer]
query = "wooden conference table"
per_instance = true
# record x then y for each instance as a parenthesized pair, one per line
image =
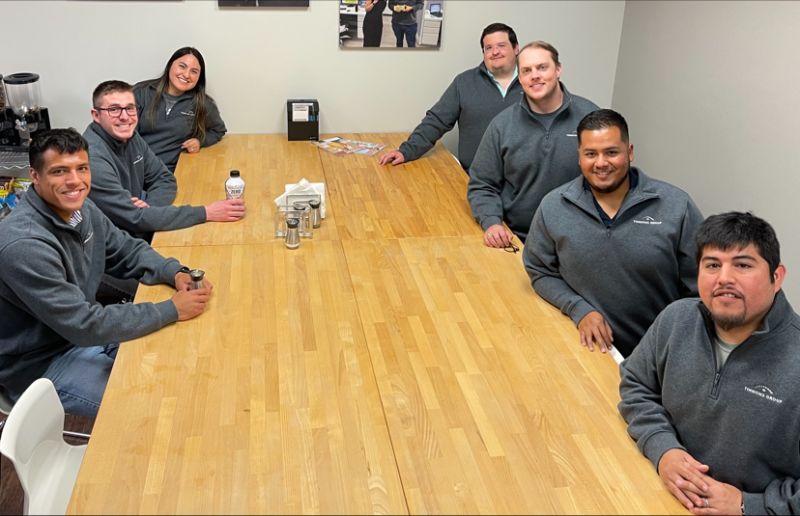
(391, 364)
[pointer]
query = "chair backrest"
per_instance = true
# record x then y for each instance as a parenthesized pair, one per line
(32, 441)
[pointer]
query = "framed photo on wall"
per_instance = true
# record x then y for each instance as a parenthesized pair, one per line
(391, 23)
(262, 3)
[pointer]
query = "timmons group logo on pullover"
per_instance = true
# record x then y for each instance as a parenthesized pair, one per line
(647, 219)
(762, 391)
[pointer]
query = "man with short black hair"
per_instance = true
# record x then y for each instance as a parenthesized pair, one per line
(472, 100)
(527, 150)
(54, 248)
(612, 247)
(131, 185)
(709, 393)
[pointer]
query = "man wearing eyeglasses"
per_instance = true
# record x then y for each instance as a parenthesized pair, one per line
(130, 184)
(472, 99)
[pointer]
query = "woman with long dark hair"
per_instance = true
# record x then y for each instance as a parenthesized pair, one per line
(175, 113)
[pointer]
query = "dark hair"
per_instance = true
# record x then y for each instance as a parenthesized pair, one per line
(500, 27)
(735, 229)
(161, 85)
(106, 87)
(545, 46)
(65, 141)
(603, 119)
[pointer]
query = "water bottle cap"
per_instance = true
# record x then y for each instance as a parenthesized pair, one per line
(313, 203)
(234, 173)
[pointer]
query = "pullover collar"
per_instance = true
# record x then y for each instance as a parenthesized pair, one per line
(116, 146)
(565, 103)
(780, 315)
(582, 197)
(486, 73)
(40, 206)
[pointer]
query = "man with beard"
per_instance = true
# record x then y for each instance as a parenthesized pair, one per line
(612, 247)
(709, 392)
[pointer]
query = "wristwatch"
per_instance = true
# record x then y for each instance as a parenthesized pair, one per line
(184, 269)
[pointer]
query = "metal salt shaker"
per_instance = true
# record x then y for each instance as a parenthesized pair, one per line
(292, 233)
(306, 230)
(196, 276)
(316, 214)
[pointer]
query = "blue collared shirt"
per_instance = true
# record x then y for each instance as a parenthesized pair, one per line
(503, 91)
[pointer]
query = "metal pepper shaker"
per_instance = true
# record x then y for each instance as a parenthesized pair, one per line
(316, 214)
(196, 276)
(292, 233)
(304, 215)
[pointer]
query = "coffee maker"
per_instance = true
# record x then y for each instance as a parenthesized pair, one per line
(21, 111)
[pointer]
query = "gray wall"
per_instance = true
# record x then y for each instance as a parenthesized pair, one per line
(710, 91)
(257, 58)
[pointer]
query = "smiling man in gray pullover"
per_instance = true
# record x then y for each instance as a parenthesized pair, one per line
(131, 185)
(54, 248)
(613, 247)
(472, 100)
(527, 150)
(710, 394)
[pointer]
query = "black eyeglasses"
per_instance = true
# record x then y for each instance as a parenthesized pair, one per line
(116, 111)
(511, 248)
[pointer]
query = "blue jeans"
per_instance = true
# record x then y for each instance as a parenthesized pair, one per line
(80, 376)
(410, 32)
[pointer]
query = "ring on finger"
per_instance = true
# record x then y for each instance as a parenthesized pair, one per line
(705, 502)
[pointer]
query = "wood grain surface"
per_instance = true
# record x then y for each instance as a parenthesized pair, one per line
(266, 162)
(391, 365)
(266, 403)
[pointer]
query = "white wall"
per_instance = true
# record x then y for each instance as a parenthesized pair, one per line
(710, 93)
(257, 58)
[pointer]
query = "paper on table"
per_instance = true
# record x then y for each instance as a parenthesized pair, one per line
(301, 191)
(616, 355)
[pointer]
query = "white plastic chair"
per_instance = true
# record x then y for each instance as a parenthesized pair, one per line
(32, 440)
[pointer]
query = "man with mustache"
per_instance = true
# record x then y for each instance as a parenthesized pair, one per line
(710, 393)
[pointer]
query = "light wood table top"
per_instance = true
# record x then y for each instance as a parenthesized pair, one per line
(426, 197)
(389, 366)
(492, 404)
(267, 162)
(265, 403)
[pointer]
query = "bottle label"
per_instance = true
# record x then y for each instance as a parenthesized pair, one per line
(234, 189)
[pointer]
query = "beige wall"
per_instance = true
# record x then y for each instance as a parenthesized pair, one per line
(710, 92)
(256, 59)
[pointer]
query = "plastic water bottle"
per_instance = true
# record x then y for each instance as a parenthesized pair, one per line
(234, 186)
